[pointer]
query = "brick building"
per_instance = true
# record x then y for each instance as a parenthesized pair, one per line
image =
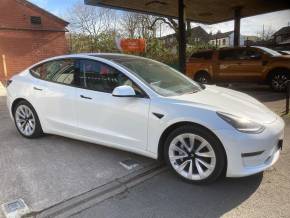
(28, 34)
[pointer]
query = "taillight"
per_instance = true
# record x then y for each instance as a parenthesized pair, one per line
(8, 82)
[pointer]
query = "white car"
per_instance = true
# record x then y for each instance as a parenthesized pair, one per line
(143, 106)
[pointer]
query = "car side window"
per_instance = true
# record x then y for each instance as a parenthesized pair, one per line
(101, 77)
(59, 71)
(251, 54)
(206, 55)
(230, 54)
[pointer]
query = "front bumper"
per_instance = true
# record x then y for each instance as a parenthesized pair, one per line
(249, 154)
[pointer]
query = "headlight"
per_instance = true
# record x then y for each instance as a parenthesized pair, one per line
(241, 124)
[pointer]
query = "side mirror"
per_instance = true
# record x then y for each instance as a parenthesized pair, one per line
(124, 91)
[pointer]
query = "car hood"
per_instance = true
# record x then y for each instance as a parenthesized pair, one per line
(229, 101)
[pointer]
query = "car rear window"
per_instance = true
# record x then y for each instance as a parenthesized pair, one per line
(207, 55)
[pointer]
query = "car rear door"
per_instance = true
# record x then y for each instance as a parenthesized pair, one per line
(117, 121)
(56, 95)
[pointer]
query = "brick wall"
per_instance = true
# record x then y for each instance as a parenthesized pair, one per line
(23, 43)
(17, 13)
(24, 48)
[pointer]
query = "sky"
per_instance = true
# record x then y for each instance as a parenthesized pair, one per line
(249, 26)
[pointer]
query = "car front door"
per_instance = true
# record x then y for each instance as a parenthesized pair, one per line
(239, 65)
(117, 121)
(56, 95)
(250, 65)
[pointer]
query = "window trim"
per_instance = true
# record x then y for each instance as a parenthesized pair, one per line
(75, 86)
(38, 65)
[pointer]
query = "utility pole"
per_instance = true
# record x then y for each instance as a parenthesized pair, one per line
(263, 32)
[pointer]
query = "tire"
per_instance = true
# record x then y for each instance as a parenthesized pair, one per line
(26, 120)
(278, 80)
(203, 78)
(205, 170)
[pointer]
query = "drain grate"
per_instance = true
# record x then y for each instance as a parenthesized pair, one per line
(129, 164)
(15, 209)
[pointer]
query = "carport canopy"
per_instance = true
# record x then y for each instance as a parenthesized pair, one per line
(205, 11)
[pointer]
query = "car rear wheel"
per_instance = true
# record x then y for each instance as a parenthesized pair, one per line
(26, 120)
(194, 154)
(278, 81)
(202, 77)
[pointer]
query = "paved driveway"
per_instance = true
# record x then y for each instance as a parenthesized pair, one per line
(52, 169)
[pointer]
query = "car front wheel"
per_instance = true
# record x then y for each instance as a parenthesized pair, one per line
(26, 120)
(194, 154)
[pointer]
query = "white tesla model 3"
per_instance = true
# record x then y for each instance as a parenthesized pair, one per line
(143, 106)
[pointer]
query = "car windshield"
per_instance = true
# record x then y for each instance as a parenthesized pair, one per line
(161, 78)
(269, 51)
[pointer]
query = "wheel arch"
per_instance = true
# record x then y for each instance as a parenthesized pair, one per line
(170, 128)
(15, 102)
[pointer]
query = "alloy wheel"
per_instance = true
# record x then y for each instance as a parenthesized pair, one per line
(25, 120)
(203, 80)
(279, 82)
(192, 156)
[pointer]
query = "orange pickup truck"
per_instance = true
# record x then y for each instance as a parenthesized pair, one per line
(242, 64)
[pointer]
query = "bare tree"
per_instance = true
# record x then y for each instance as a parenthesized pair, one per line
(135, 25)
(266, 34)
(129, 24)
(173, 24)
(90, 23)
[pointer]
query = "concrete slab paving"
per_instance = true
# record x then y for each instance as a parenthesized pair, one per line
(51, 169)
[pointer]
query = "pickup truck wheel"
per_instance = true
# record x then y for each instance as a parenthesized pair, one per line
(278, 81)
(202, 77)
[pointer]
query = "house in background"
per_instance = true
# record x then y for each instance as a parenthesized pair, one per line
(225, 39)
(196, 35)
(28, 34)
(282, 36)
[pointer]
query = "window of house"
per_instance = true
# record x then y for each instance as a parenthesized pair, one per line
(59, 71)
(35, 20)
(224, 41)
(103, 78)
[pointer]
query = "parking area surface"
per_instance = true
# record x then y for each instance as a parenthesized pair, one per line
(53, 169)
(166, 196)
